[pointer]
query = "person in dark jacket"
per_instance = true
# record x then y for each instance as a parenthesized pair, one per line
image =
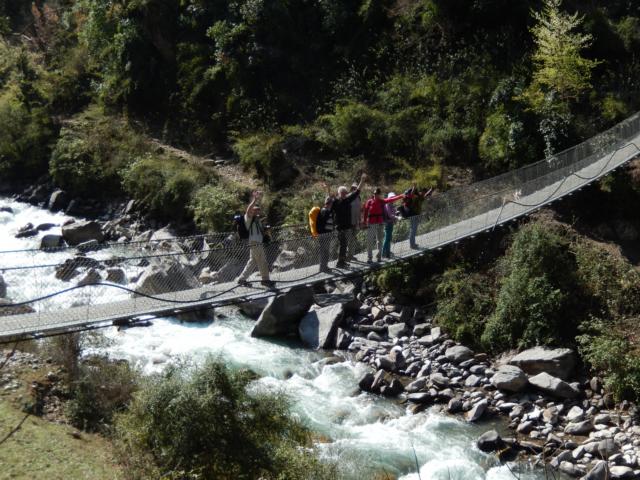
(325, 224)
(342, 216)
(412, 209)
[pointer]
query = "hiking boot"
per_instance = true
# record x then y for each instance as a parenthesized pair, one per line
(341, 264)
(243, 282)
(268, 283)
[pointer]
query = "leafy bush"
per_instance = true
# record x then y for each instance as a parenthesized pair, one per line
(608, 348)
(164, 185)
(202, 423)
(355, 128)
(214, 205)
(91, 151)
(464, 303)
(264, 154)
(101, 389)
(25, 137)
(533, 306)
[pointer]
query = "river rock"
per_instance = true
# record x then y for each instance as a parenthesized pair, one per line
(397, 330)
(348, 300)
(579, 428)
(421, 329)
(58, 201)
(575, 414)
(622, 472)
(599, 472)
(6, 209)
(27, 231)
(458, 354)
(82, 231)
(553, 386)
(318, 327)
(253, 308)
(490, 441)
(43, 227)
(509, 378)
(3, 287)
(6, 309)
(282, 314)
(366, 382)
(558, 362)
(91, 277)
(476, 411)
(343, 339)
(51, 241)
(158, 279)
(116, 275)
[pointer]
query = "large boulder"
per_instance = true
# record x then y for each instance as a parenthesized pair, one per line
(158, 279)
(90, 278)
(509, 378)
(477, 411)
(348, 300)
(282, 314)
(558, 362)
(490, 441)
(58, 201)
(253, 308)
(599, 472)
(51, 241)
(318, 327)
(553, 386)
(82, 231)
(458, 354)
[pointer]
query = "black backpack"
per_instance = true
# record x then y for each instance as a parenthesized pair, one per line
(240, 227)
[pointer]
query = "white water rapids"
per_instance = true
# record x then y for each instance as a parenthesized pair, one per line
(367, 435)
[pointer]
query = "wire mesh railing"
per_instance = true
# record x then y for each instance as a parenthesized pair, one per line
(67, 287)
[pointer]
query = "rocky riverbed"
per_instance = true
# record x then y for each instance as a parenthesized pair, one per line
(558, 416)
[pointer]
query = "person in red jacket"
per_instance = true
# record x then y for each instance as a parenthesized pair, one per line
(374, 220)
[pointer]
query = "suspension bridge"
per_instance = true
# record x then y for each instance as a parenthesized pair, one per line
(64, 290)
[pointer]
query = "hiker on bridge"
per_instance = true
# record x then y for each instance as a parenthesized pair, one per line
(375, 220)
(256, 238)
(321, 222)
(390, 218)
(342, 211)
(412, 209)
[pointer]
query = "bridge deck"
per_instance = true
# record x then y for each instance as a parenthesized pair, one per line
(25, 325)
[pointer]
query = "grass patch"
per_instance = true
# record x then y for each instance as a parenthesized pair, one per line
(41, 449)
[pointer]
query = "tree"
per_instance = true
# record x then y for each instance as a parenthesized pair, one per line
(561, 74)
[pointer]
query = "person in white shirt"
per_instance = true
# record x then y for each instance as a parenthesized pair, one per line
(257, 256)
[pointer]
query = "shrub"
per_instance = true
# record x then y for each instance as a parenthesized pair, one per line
(25, 137)
(214, 205)
(405, 280)
(533, 305)
(164, 185)
(91, 151)
(264, 154)
(608, 348)
(202, 423)
(464, 303)
(102, 388)
(355, 128)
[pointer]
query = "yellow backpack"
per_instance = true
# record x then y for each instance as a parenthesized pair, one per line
(313, 220)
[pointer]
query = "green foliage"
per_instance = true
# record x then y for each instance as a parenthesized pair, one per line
(203, 423)
(407, 281)
(533, 303)
(608, 349)
(164, 185)
(25, 137)
(464, 302)
(214, 205)
(611, 283)
(265, 155)
(91, 151)
(559, 66)
(101, 389)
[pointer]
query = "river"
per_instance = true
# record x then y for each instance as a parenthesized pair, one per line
(366, 434)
